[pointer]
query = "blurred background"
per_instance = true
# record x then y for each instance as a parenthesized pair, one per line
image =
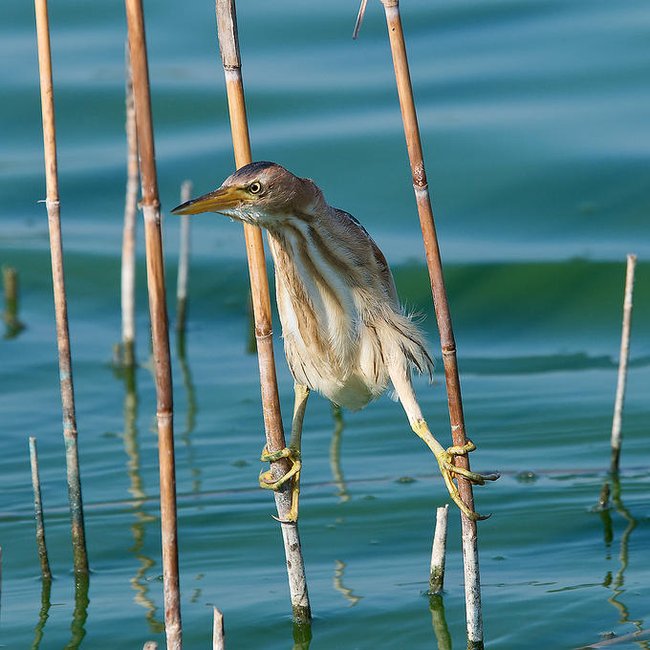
(535, 127)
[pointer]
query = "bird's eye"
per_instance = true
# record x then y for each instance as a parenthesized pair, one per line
(255, 188)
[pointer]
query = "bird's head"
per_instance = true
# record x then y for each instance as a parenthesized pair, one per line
(262, 193)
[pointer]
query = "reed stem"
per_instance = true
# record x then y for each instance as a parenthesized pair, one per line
(218, 634)
(622, 364)
(183, 262)
(80, 555)
(159, 322)
(229, 47)
(443, 317)
(439, 552)
(10, 316)
(38, 511)
(129, 229)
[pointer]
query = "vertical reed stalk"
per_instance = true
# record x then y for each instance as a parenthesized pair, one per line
(218, 635)
(129, 229)
(439, 552)
(10, 285)
(622, 364)
(434, 264)
(229, 46)
(183, 262)
(80, 556)
(38, 511)
(159, 323)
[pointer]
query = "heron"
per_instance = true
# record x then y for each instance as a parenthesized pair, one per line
(345, 334)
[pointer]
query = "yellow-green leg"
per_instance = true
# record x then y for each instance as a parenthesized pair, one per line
(292, 453)
(445, 458)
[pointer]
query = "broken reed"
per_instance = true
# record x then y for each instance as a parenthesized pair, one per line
(80, 556)
(438, 552)
(229, 47)
(38, 511)
(474, 617)
(129, 228)
(218, 634)
(183, 262)
(622, 364)
(159, 322)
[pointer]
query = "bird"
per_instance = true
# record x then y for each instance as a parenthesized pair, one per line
(345, 333)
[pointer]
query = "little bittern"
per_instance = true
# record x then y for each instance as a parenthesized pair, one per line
(345, 334)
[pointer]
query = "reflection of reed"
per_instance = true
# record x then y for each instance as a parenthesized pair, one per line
(80, 614)
(190, 421)
(43, 613)
(439, 622)
(142, 518)
(339, 570)
(335, 454)
(617, 582)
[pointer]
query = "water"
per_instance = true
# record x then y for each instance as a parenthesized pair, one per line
(534, 122)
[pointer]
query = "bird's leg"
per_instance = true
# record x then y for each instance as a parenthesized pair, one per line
(445, 457)
(292, 452)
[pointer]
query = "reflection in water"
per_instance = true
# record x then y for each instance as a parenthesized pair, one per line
(339, 570)
(80, 614)
(439, 622)
(335, 454)
(139, 581)
(190, 421)
(43, 613)
(301, 636)
(616, 583)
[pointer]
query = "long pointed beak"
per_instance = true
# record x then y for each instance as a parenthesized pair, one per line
(221, 199)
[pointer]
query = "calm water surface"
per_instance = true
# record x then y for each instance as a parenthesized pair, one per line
(535, 126)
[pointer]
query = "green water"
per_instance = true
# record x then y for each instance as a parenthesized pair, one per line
(535, 124)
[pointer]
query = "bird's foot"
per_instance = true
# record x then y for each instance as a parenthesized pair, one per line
(269, 482)
(450, 471)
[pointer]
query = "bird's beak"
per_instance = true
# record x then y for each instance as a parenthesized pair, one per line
(219, 200)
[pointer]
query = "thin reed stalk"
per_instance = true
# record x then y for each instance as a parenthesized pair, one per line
(218, 634)
(80, 555)
(183, 262)
(439, 552)
(129, 229)
(229, 47)
(10, 316)
(38, 511)
(474, 617)
(622, 364)
(159, 322)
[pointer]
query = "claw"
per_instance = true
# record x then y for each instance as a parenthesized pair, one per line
(268, 482)
(449, 470)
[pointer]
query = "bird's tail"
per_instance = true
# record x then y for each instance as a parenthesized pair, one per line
(404, 345)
